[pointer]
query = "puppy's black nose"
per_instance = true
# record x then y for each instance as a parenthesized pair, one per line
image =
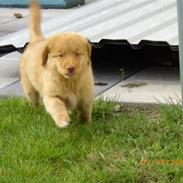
(70, 70)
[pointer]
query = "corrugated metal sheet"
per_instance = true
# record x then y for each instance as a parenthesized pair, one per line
(133, 20)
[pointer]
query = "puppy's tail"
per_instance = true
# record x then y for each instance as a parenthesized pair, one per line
(35, 22)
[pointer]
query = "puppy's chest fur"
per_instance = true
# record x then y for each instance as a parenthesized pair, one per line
(66, 89)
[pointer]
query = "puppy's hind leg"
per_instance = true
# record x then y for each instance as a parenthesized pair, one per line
(30, 93)
(85, 111)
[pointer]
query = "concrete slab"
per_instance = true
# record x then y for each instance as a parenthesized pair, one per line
(9, 64)
(4, 81)
(151, 85)
(107, 76)
(13, 89)
(9, 69)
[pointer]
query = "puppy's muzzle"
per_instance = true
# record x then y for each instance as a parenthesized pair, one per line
(70, 71)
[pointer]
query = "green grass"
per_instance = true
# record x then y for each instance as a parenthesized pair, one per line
(110, 150)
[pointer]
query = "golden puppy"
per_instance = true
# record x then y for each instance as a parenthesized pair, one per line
(58, 70)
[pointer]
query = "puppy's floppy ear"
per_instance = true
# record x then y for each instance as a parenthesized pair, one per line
(89, 48)
(45, 55)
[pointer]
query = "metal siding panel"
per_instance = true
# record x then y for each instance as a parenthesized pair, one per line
(137, 21)
(167, 33)
(119, 19)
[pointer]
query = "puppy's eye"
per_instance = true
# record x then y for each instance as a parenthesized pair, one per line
(78, 54)
(61, 55)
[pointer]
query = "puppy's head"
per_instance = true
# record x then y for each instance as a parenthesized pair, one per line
(68, 53)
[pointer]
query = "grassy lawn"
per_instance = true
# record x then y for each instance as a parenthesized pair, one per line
(132, 145)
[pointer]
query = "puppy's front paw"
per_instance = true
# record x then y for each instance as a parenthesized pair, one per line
(62, 121)
(62, 124)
